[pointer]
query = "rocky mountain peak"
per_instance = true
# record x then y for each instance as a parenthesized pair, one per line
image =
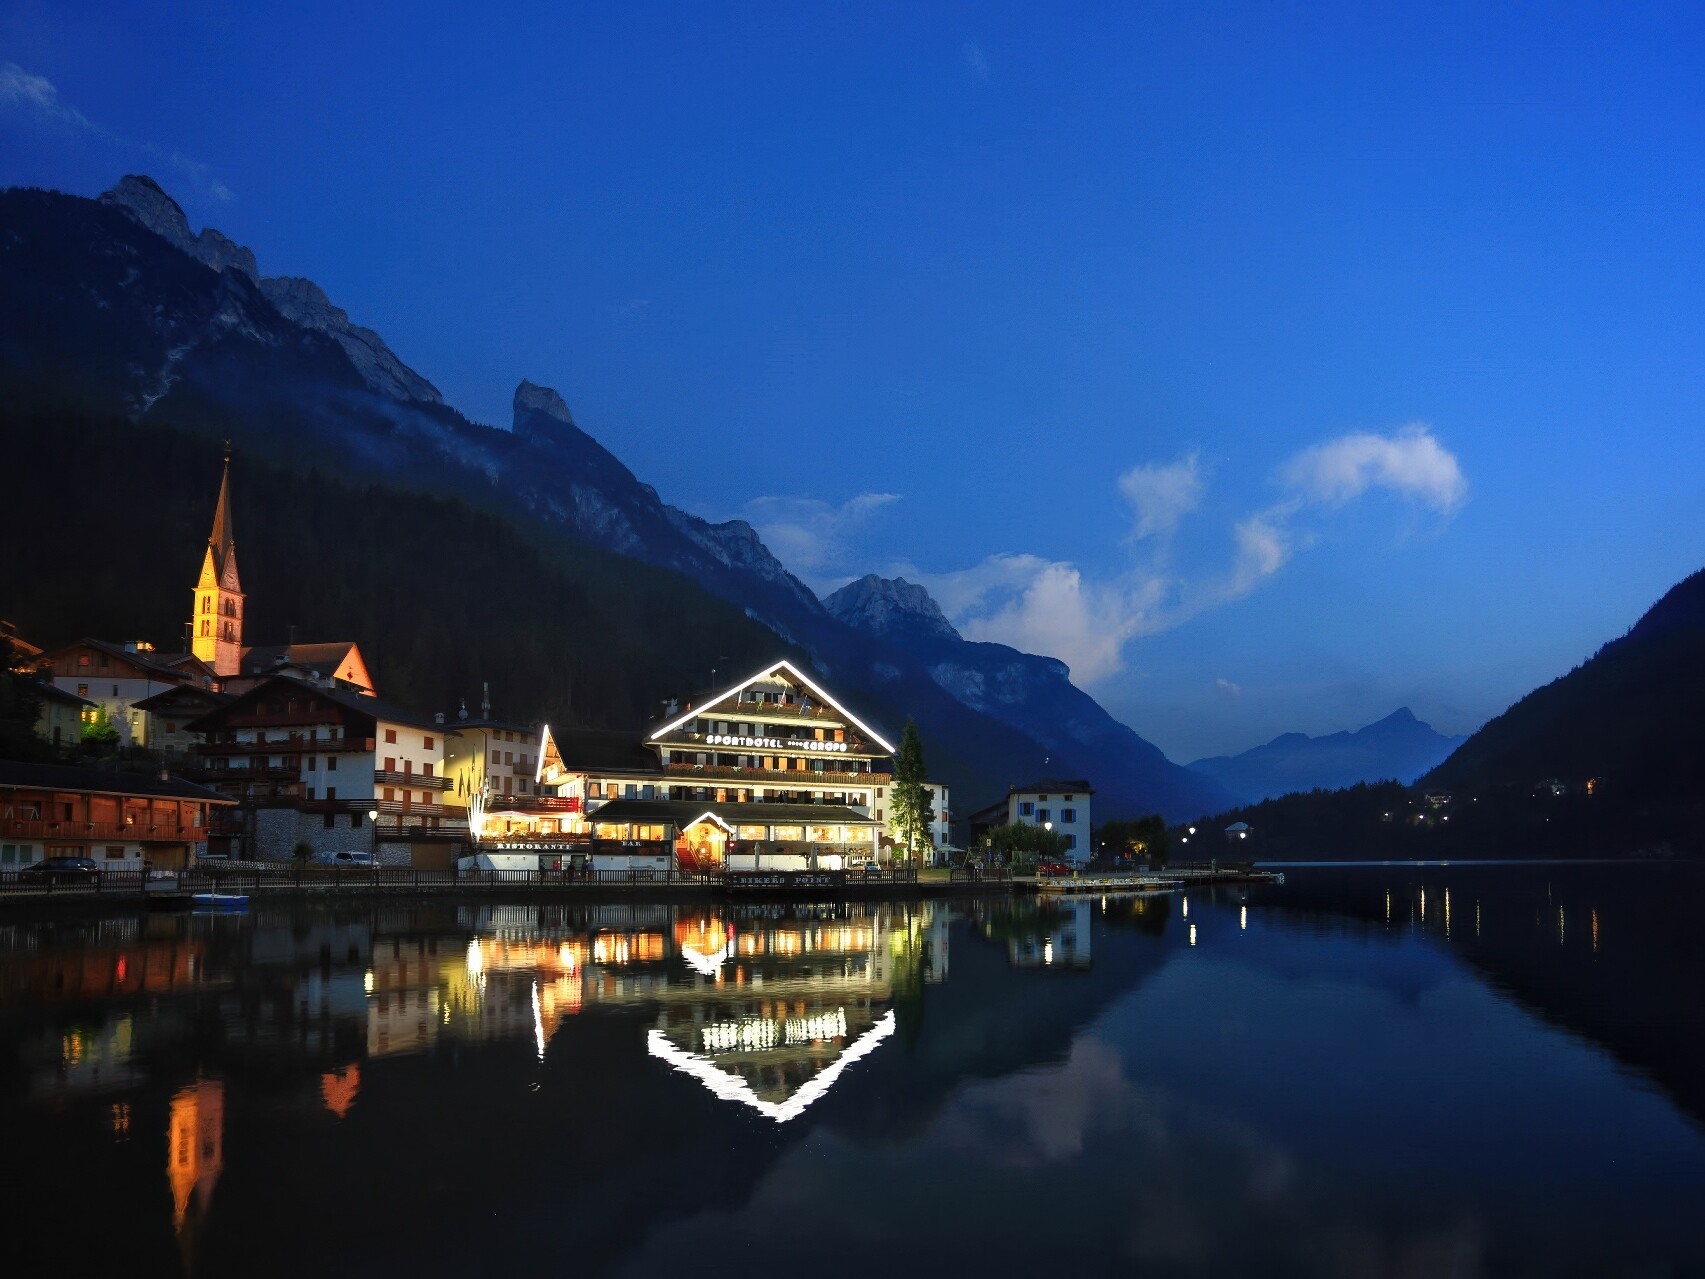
(530, 397)
(885, 605)
(300, 301)
(142, 197)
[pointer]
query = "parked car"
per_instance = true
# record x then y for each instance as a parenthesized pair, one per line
(61, 870)
(343, 857)
(1053, 869)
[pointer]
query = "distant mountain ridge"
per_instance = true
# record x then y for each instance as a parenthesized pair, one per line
(1031, 693)
(1631, 716)
(116, 306)
(1398, 747)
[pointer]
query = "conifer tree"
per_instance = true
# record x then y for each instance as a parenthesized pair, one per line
(910, 811)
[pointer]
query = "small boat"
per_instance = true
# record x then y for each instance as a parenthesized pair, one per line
(219, 901)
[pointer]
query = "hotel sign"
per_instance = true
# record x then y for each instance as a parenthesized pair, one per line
(776, 743)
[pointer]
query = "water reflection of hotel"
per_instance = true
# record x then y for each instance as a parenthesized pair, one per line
(764, 1007)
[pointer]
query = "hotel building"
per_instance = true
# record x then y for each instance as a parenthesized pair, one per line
(770, 771)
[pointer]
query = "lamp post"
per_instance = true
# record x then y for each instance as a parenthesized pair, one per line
(373, 821)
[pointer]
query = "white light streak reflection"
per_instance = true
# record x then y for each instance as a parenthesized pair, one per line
(1192, 934)
(732, 1088)
(538, 1021)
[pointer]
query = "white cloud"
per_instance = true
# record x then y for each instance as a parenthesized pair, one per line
(1051, 607)
(810, 535)
(1161, 496)
(1410, 463)
(36, 95)
(1228, 687)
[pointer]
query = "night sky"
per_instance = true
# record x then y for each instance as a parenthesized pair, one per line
(1274, 365)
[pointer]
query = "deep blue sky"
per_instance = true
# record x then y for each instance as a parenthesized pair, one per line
(1413, 298)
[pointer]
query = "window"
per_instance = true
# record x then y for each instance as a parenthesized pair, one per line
(171, 727)
(354, 820)
(426, 770)
(1043, 815)
(310, 792)
(496, 758)
(389, 794)
(1071, 841)
(331, 763)
(429, 743)
(1068, 815)
(82, 690)
(115, 852)
(390, 764)
(82, 659)
(878, 792)
(331, 792)
(390, 737)
(330, 820)
(1025, 807)
(508, 756)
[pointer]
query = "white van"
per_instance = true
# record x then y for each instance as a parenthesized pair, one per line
(343, 858)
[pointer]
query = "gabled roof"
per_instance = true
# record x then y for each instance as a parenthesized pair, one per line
(203, 698)
(1051, 785)
(604, 750)
(793, 672)
(154, 663)
(103, 781)
(372, 707)
(261, 659)
(53, 693)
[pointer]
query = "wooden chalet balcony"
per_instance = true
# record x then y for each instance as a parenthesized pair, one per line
(773, 712)
(162, 832)
(710, 774)
(280, 745)
(249, 772)
(540, 804)
(420, 781)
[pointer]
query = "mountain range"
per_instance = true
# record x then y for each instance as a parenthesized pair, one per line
(1397, 747)
(117, 309)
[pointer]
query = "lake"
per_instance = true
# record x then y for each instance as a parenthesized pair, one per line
(1366, 1070)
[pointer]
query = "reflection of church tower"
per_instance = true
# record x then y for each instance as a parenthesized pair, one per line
(195, 1153)
(217, 627)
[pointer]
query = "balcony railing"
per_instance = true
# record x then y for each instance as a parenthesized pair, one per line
(119, 832)
(290, 745)
(531, 804)
(711, 772)
(257, 772)
(421, 781)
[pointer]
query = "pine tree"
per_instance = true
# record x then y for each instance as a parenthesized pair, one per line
(910, 813)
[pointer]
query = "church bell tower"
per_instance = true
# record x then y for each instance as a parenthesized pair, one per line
(216, 629)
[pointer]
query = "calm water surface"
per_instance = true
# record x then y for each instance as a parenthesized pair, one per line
(1367, 1071)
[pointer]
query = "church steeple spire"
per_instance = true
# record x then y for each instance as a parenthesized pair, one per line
(217, 626)
(221, 542)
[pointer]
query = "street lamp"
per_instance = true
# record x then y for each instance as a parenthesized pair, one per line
(373, 821)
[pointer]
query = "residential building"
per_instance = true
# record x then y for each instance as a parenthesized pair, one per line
(116, 676)
(321, 764)
(61, 717)
(121, 820)
(1058, 804)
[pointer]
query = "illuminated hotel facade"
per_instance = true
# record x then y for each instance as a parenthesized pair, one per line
(772, 769)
